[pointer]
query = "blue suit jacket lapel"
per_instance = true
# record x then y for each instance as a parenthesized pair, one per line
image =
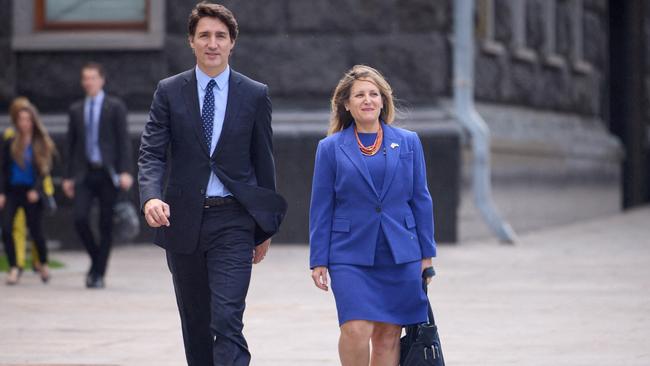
(191, 96)
(232, 109)
(351, 149)
(392, 157)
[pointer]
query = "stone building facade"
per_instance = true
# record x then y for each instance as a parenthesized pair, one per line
(542, 82)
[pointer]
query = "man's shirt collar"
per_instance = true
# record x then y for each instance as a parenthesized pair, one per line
(98, 97)
(203, 79)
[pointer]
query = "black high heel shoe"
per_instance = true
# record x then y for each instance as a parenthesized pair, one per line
(44, 271)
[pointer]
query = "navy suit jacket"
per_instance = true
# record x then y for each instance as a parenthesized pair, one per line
(114, 141)
(243, 159)
(347, 212)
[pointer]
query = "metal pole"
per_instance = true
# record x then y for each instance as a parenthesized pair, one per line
(470, 119)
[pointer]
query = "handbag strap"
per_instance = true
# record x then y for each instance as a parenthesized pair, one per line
(427, 273)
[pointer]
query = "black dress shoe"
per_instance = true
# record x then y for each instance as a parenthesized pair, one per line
(97, 282)
(89, 279)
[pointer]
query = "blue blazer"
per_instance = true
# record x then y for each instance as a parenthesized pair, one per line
(347, 212)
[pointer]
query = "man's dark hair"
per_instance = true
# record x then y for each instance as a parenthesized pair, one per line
(205, 9)
(95, 66)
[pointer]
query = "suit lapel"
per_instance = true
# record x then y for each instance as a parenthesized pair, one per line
(392, 144)
(191, 97)
(351, 149)
(232, 109)
(103, 125)
(81, 122)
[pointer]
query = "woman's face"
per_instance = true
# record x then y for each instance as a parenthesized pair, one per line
(365, 102)
(24, 123)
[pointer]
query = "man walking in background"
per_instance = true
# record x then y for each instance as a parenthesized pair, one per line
(98, 164)
(220, 199)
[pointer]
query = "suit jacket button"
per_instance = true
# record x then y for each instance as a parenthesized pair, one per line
(378, 209)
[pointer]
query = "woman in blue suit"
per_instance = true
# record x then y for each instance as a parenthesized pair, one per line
(371, 220)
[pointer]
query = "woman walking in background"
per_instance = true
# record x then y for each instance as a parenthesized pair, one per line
(371, 220)
(26, 160)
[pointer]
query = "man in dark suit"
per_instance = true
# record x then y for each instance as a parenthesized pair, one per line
(98, 163)
(211, 128)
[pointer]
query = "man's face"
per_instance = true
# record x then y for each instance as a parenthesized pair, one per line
(91, 81)
(212, 45)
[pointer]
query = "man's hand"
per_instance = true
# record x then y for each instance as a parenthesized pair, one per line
(319, 275)
(156, 212)
(260, 251)
(426, 263)
(3, 200)
(68, 188)
(32, 196)
(126, 181)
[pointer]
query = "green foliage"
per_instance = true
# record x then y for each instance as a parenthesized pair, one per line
(4, 263)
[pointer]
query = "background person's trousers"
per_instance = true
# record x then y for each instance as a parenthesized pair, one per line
(211, 286)
(17, 197)
(97, 184)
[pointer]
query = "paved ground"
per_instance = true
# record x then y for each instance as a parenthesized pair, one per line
(574, 295)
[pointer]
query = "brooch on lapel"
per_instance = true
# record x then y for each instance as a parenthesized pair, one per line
(394, 145)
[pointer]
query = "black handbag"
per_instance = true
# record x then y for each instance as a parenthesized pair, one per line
(126, 221)
(421, 344)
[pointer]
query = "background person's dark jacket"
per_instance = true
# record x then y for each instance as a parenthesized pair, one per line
(114, 142)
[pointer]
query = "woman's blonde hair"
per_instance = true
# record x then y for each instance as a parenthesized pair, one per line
(339, 117)
(42, 144)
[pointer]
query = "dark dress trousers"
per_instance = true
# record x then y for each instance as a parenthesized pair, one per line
(209, 250)
(97, 180)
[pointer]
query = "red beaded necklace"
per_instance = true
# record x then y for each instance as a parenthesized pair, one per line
(372, 149)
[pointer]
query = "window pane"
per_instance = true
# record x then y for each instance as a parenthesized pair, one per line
(95, 11)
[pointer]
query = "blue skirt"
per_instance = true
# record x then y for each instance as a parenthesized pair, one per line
(385, 292)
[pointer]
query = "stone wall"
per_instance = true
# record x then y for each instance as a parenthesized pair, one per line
(51, 79)
(6, 56)
(300, 48)
(505, 77)
(646, 33)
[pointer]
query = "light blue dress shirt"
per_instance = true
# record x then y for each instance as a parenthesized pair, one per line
(220, 91)
(95, 155)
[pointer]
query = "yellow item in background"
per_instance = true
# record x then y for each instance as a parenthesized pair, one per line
(20, 236)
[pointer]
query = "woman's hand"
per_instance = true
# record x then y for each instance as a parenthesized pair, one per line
(3, 200)
(68, 188)
(426, 263)
(319, 275)
(32, 196)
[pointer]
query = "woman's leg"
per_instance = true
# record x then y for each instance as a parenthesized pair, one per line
(354, 343)
(34, 214)
(7, 237)
(385, 344)
(7, 228)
